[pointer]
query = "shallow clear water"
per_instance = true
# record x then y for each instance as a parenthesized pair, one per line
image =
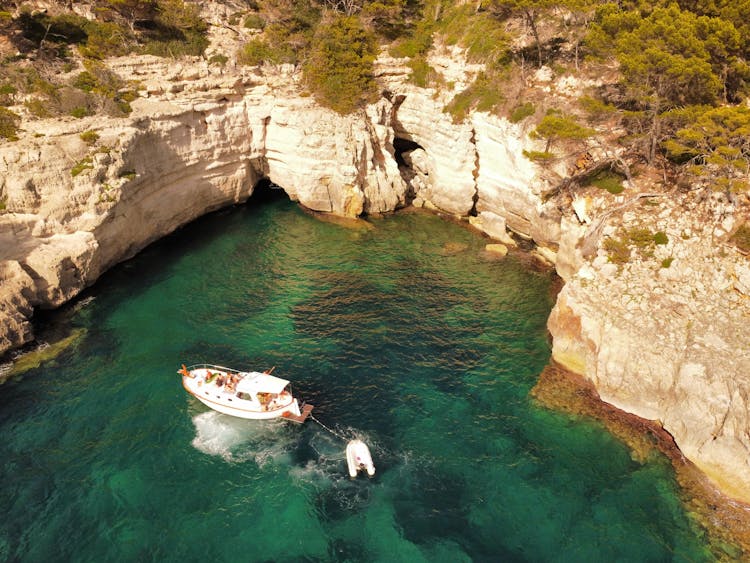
(407, 336)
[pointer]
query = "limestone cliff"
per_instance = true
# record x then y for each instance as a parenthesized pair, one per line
(200, 141)
(666, 343)
(664, 336)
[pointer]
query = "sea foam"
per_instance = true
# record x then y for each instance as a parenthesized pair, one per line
(237, 440)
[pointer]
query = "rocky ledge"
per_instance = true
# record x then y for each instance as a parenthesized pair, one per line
(661, 335)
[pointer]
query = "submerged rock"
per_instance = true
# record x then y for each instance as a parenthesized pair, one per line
(40, 355)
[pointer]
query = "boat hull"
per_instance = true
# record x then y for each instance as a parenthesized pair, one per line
(241, 413)
(358, 459)
(218, 398)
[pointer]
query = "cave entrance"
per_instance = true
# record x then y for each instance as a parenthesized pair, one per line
(265, 191)
(413, 175)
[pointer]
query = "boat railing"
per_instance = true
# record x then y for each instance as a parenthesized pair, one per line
(215, 367)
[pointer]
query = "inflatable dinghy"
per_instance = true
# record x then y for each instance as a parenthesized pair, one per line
(359, 459)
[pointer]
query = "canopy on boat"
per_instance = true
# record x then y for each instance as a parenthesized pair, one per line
(255, 382)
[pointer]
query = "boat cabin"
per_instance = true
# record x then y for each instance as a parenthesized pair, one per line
(269, 391)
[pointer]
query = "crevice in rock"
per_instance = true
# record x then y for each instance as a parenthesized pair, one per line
(475, 174)
(378, 158)
(263, 149)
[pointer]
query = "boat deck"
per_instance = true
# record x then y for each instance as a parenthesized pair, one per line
(306, 410)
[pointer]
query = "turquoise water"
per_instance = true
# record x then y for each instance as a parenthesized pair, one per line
(406, 335)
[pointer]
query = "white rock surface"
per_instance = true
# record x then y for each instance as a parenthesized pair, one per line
(674, 347)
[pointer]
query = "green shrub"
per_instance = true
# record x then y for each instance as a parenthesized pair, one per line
(539, 156)
(521, 112)
(66, 28)
(484, 94)
(218, 59)
(290, 36)
(254, 21)
(556, 125)
(82, 165)
(124, 107)
(617, 250)
(596, 109)
(105, 90)
(422, 74)
(80, 112)
(481, 34)
(741, 237)
(128, 174)
(8, 124)
(339, 69)
(667, 262)
(3, 205)
(38, 108)
(640, 237)
(7, 94)
(661, 238)
(418, 43)
(388, 18)
(254, 53)
(177, 31)
(89, 137)
(192, 46)
(607, 180)
(85, 81)
(106, 39)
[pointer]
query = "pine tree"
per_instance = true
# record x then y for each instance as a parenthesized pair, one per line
(556, 126)
(339, 67)
(716, 142)
(668, 59)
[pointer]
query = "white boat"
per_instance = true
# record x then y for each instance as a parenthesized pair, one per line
(244, 394)
(358, 458)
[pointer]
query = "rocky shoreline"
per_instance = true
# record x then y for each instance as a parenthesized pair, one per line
(661, 335)
(726, 522)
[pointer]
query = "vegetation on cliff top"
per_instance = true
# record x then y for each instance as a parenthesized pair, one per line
(683, 67)
(679, 102)
(44, 74)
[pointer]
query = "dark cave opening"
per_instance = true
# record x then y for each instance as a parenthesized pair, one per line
(265, 191)
(401, 146)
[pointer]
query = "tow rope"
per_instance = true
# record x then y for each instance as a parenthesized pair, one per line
(329, 429)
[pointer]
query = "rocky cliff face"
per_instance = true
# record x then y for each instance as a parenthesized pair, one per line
(666, 343)
(201, 140)
(664, 335)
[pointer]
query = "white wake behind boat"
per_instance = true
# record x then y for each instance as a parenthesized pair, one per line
(358, 458)
(244, 394)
